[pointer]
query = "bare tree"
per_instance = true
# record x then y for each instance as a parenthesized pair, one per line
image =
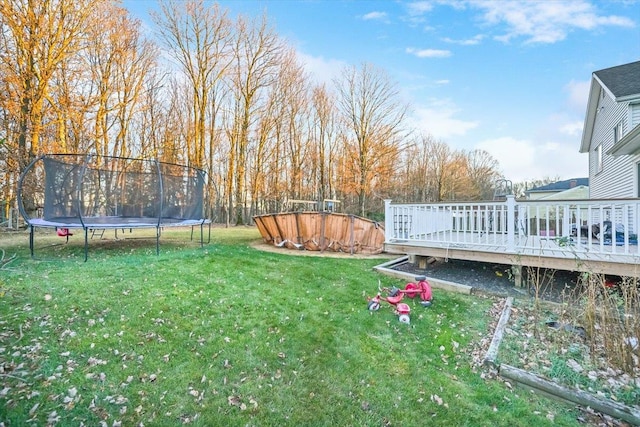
(324, 128)
(199, 39)
(152, 122)
(119, 59)
(437, 157)
(37, 37)
(483, 171)
(293, 88)
(257, 54)
(370, 107)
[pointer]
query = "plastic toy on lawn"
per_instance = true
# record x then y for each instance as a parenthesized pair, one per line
(395, 295)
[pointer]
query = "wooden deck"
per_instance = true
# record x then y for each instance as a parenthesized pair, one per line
(532, 234)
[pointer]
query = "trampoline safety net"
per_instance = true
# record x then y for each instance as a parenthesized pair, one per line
(90, 191)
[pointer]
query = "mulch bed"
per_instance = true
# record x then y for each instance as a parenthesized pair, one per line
(497, 279)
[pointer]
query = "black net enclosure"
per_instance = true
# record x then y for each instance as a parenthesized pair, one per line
(91, 192)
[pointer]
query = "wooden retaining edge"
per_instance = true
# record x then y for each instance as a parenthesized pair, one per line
(409, 277)
(393, 262)
(549, 388)
(492, 353)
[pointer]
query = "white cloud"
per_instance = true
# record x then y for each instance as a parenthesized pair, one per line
(321, 69)
(578, 95)
(466, 42)
(429, 53)
(572, 129)
(419, 7)
(438, 119)
(518, 167)
(522, 159)
(376, 16)
(442, 82)
(544, 21)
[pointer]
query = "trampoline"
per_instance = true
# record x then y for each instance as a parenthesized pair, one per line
(91, 192)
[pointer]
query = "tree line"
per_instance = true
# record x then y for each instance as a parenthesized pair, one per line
(224, 94)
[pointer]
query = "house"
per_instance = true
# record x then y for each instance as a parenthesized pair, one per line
(554, 230)
(579, 192)
(575, 188)
(611, 133)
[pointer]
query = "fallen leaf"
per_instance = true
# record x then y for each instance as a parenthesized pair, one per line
(33, 409)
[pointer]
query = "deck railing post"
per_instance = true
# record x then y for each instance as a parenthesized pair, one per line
(388, 220)
(511, 223)
(566, 222)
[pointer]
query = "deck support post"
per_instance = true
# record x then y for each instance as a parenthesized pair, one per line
(516, 271)
(422, 261)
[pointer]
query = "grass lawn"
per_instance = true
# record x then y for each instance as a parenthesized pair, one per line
(231, 335)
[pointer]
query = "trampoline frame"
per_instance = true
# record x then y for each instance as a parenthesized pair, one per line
(92, 223)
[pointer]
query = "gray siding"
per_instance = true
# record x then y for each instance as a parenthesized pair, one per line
(617, 179)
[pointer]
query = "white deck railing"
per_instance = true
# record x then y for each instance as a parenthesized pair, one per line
(593, 226)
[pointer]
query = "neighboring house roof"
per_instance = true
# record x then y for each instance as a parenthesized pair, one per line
(560, 185)
(576, 193)
(622, 83)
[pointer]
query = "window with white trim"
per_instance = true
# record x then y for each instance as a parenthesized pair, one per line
(617, 132)
(634, 115)
(598, 156)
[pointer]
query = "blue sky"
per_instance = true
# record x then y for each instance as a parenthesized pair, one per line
(509, 77)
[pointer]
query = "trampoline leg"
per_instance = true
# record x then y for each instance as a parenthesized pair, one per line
(157, 240)
(31, 239)
(202, 234)
(86, 244)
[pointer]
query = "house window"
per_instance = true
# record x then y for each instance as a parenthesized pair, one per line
(599, 158)
(617, 132)
(638, 180)
(635, 115)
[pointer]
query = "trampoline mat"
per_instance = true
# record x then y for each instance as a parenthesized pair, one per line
(113, 222)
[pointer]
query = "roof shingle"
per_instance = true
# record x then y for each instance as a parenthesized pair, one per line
(622, 80)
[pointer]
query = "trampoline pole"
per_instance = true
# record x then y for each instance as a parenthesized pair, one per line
(86, 244)
(157, 240)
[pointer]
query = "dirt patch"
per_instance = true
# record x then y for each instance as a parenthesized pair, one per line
(498, 279)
